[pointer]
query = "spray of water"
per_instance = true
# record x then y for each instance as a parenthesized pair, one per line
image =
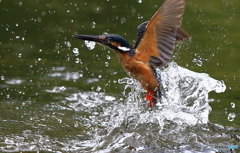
(131, 126)
(178, 123)
(185, 101)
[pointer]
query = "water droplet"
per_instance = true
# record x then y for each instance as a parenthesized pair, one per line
(139, 1)
(98, 8)
(77, 60)
(20, 3)
(62, 88)
(90, 44)
(7, 96)
(43, 13)
(198, 62)
(20, 55)
(93, 24)
(68, 44)
(76, 124)
(59, 120)
(231, 116)
(108, 57)
(133, 10)
(16, 24)
(39, 19)
(98, 88)
(123, 20)
(233, 105)
(114, 73)
(17, 37)
(39, 59)
(140, 17)
(75, 51)
(2, 77)
(106, 64)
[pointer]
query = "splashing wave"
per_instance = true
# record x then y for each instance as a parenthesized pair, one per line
(129, 126)
(178, 123)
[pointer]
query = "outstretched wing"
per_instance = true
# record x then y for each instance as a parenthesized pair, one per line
(157, 43)
(181, 35)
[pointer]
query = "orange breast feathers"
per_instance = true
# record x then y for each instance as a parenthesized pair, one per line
(140, 71)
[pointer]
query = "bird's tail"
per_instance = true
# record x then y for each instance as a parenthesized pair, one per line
(161, 92)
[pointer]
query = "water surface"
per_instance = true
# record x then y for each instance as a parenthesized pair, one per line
(54, 98)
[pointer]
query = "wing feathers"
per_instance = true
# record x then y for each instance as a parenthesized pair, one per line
(181, 35)
(157, 43)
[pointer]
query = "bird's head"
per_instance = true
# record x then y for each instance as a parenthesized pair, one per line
(112, 41)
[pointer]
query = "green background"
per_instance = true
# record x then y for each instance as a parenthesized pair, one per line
(36, 49)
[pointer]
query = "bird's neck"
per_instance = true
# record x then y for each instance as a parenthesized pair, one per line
(124, 55)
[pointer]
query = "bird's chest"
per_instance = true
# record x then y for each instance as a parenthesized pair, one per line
(132, 66)
(139, 70)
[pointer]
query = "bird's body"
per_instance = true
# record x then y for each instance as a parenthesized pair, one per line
(153, 48)
(139, 70)
(142, 72)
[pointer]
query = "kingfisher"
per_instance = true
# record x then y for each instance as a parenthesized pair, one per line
(153, 48)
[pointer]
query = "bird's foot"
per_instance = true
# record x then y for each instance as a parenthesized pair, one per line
(150, 97)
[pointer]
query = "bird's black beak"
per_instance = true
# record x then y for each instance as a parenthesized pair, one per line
(89, 38)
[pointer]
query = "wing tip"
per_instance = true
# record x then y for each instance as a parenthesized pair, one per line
(181, 35)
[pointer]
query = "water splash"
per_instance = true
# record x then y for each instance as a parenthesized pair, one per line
(186, 105)
(90, 44)
(130, 126)
(186, 98)
(178, 123)
(187, 92)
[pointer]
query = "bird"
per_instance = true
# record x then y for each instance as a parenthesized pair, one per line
(153, 48)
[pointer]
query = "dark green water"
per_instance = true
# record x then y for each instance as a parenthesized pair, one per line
(38, 69)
